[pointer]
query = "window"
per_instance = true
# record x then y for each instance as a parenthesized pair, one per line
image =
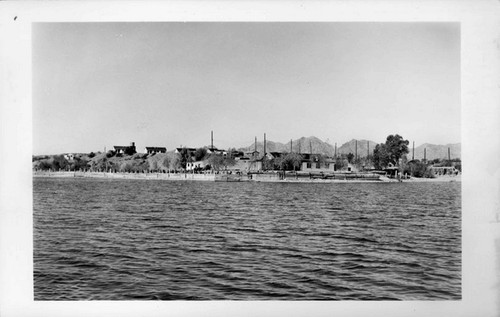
(327, 165)
(308, 165)
(318, 165)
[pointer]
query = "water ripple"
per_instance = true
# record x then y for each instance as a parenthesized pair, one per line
(140, 240)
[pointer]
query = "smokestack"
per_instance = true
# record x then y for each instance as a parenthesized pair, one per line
(335, 149)
(291, 149)
(212, 140)
(449, 157)
(255, 145)
(413, 152)
(299, 147)
(368, 151)
(264, 144)
(425, 152)
(310, 147)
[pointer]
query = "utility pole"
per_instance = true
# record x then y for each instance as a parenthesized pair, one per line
(356, 150)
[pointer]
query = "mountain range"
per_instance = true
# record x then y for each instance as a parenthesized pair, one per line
(315, 145)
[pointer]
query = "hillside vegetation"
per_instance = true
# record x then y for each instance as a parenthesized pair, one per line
(110, 161)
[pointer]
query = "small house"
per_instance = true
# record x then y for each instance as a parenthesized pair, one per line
(189, 149)
(194, 165)
(313, 163)
(214, 150)
(122, 149)
(444, 170)
(155, 149)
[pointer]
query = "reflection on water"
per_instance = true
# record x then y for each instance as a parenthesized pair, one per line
(139, 239)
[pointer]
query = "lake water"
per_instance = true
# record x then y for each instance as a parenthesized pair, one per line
(99, 239)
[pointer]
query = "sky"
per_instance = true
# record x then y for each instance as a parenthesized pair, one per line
(96, 85)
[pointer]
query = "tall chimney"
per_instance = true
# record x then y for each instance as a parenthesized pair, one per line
(425, 152)
(212, 140)
(413, 152)
(335, 149)
(291, 149)
(449, 157)
(264, 144)
(310, 147)
(368, 151)
(255, 145)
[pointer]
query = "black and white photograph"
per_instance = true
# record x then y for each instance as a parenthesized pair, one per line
(209, 200)
(254, 161)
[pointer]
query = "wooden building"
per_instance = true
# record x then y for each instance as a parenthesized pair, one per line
(155, 149)
(122, 149)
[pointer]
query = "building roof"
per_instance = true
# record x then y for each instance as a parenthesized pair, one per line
(275, 154)
(190, 149)
(156, 148)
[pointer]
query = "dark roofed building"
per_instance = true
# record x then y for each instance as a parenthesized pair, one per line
(275, 154)
(124, 149)
(189, 149)
(155, 149)
(214, 150)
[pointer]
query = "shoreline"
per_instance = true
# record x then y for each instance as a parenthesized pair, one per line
(231, 178)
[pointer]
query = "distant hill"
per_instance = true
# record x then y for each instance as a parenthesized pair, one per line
(306, 144)
(434, 151)
(302, 145)
(350, 147)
